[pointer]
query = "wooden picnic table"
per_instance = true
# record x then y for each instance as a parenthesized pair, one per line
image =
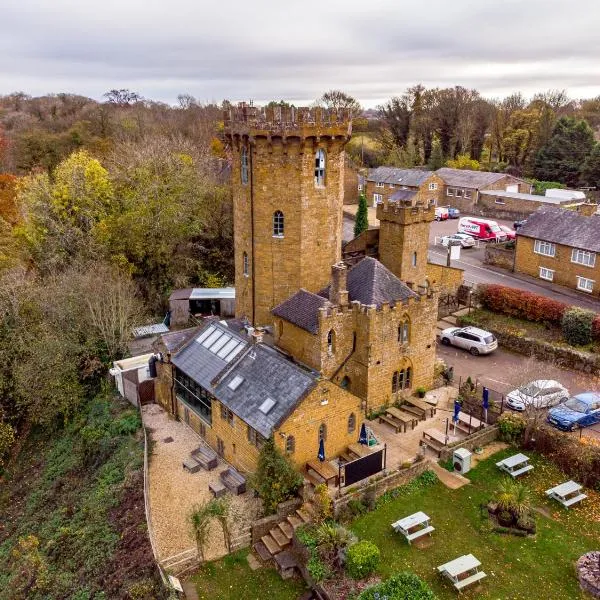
(435, 439)
(413, 526)
(359, 449)
(515, 465)
(402, 416)
(323, 469)
(424, 406)
(468, 423)
(567, 493)
(462, 571)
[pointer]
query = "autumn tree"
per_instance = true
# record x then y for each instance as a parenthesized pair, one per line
(336, 99)
(462, 161)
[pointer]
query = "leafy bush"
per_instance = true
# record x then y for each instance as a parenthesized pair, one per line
(356, 507)
(521, 304)
(402, 586)
(362, 559)
(512, 426)
(577, 326)
(317, 568)
(322, 503)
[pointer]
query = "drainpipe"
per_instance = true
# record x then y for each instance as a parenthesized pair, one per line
(251, 155)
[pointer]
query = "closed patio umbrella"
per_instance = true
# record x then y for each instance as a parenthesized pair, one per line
(362, 438)
(456, 413)
(321, 455)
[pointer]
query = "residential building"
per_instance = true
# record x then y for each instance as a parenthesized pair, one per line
(383, 182)
(561, 246)
(499, 204)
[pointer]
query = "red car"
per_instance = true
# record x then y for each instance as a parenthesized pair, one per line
(510, 233)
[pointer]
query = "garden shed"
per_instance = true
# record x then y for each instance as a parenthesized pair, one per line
(201, 302)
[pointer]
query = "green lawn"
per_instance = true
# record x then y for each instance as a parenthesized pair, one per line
(541, 567)
(232, 579)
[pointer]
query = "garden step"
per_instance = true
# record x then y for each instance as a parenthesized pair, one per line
(272, 546)
(287, 529)
(295, 521)
(279, 537)
(262, 551)
(303, 515)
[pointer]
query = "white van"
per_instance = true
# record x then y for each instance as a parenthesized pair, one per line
(441, 213)
(482, 229)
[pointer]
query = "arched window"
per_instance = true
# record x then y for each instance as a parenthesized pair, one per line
(331, 341)
(403, 332)
(244, 165)
(414, 259)
(245, 263)
(345, 382)
(401, 380)
(322, 432)
(290, 444)
(408, 379)
(278, 224)
(395, 382)
(351, 423)
(320, 167)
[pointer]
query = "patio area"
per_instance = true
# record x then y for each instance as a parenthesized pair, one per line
(174, 491)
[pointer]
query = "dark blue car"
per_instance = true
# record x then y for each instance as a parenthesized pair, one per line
(453, 213)
(578, 411)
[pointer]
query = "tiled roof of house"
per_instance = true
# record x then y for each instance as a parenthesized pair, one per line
(403, 195)
(176, 339)
(408, 177)
(263, 387)
(467, 178)
(301, 309)
(562, 226)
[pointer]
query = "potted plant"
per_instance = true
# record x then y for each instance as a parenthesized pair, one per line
(421, 392)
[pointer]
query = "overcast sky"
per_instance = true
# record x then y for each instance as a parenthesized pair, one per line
(262, 50)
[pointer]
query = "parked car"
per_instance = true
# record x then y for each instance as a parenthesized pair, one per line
(453, 213)
(542, 393)
(476, 341)
(458, 239)
(579, 411)
(511, 234)
(483, 229)
(441, 213)
(518, 224)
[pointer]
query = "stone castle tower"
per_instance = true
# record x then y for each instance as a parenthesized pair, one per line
(404, 238)
(288, 178)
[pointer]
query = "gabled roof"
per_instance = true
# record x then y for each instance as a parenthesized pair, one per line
(270, 388)
(562, 226)
(467, 178)
(176, 339)
(407, 177)
(301, 309)
(403, 195)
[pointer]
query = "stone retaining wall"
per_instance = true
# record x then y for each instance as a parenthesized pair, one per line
(263, 526)
(499, 256)
(475, 440)
(588, 571)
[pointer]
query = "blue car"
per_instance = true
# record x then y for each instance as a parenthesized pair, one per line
(578, 411)
(453, 213)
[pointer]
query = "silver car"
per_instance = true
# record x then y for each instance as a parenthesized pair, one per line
(458, 239)
(542, 393)
(476, 341)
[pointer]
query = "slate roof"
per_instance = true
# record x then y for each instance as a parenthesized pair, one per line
(467, 178)
(408, 177)
(265, 374)
(176, 339)
(301, 309)
(403, 195)
(562, 226)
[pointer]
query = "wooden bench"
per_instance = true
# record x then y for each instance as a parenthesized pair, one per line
(314, 478)
(191, 464)
(206, 457)
(217, 488)
(397, 425)
(419, 533)
(415, 410)
(469, 580)
(434, 445)
(520, 471)
(233, 481)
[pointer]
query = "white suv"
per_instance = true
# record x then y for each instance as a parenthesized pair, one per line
(476, 341)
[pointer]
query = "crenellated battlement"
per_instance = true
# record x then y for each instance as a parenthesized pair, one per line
(405, 212)
(282, 121)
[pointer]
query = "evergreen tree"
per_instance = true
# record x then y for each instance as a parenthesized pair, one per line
(590, 172)
(436, 160)
(561, 158)
(362, 216)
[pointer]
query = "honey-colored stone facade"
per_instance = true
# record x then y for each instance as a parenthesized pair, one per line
(424, 193)
(565, 272)
(446, 279)
(281, 177)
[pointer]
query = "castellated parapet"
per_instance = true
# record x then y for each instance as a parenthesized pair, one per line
(404, 212)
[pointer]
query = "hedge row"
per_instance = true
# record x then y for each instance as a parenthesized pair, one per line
(521, 304)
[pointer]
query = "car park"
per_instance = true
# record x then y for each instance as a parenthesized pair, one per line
(542, 393)
(476, 341)
(458, 239)
(581, 410)
(511, 234)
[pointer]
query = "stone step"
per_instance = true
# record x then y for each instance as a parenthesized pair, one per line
(287, 529)
(262, 551)
(450, 319)
(279, 537)
(295, 521)
(303, 515)
(272, 546)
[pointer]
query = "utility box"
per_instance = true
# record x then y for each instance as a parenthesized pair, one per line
(461, 460)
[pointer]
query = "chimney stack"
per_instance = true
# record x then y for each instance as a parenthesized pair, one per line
(587, 209)
(338, 292)
(257, 336)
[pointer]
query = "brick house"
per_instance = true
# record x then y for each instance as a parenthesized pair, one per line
(461, 187)
(383, 182)
(561, 246)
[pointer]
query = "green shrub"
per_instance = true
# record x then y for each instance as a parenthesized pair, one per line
(512, 426)
(402, 586)
(362, 559)
(317, 568)
(356, 507)
(577, 326)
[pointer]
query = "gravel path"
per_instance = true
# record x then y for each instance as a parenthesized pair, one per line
(174, 491)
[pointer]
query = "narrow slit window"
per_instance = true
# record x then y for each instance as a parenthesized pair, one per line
(244, 168)
(278, 224)
(320, 167)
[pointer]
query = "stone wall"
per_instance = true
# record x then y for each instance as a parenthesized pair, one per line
(379, 486)
(446, 279)
(499, 256)
(475, 440)
(263, 526)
